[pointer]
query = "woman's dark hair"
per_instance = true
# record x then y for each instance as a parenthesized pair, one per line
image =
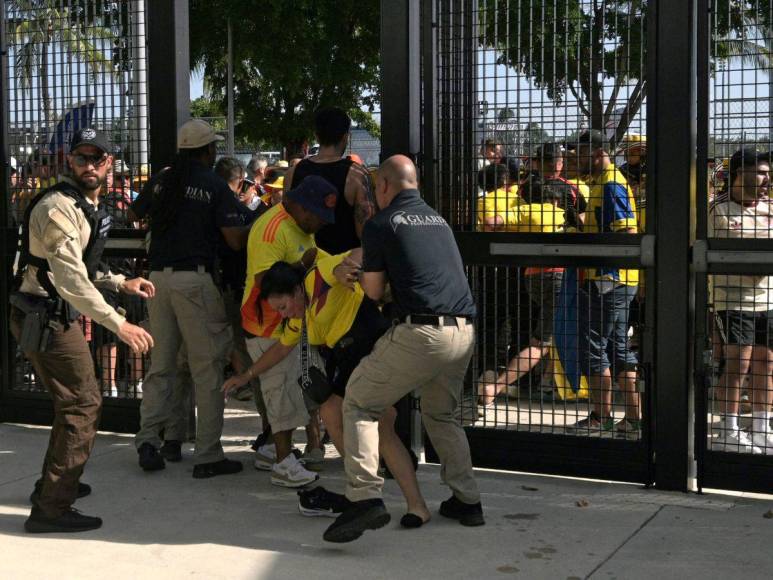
(279, 280)
(493, 177)
(169, 191)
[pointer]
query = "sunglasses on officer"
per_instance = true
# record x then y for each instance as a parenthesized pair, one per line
(82, 160)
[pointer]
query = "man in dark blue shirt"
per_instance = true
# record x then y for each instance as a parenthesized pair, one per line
(190, 209)
(429, 347)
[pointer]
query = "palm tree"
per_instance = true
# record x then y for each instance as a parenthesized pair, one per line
(39, 24)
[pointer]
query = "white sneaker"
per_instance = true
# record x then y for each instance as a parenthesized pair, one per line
(764, 441)
(734, 441)
(265, 457)
(291, 473)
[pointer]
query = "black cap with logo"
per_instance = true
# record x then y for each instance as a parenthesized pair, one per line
(90, 136)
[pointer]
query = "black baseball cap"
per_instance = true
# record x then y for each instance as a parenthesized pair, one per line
(317, 195)
(549, 151)
(747, 156)
(596, 139)
(90, 136)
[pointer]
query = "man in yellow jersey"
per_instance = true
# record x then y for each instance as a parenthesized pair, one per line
(284, 233)
(605, 294)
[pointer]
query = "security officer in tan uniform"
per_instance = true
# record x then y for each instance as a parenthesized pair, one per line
(190, 210)
(63, 235)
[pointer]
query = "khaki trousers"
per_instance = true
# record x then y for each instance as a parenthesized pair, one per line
(67, 371)
(186, 310)
(408, 357)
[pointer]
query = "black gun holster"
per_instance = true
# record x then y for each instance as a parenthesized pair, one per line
(42, 316)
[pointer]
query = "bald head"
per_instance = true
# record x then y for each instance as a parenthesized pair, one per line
(395, 174)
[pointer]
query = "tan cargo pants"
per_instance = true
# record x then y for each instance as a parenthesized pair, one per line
(187, 309)
(408, 357)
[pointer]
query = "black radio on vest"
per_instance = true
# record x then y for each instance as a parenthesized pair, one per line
(341, 236)
(99, 221)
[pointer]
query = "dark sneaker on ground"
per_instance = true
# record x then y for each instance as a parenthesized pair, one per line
(360, 516)
(222, 467)
(592, 423)
(70, 521)
(468, 514)
(172, 451)
(321, 502)
(84, 489)
(150, 459)
(629, 428)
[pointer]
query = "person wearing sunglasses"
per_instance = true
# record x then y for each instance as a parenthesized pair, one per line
(56, 280)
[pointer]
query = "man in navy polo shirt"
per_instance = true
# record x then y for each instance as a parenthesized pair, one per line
(410, 246)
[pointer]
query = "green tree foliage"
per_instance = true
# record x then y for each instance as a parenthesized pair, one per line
(579, 47)
(290, 58)
(81, 28)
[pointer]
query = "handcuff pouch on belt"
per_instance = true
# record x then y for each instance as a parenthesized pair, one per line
(313, 380)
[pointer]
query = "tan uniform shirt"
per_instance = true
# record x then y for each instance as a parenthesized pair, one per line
(59, 232)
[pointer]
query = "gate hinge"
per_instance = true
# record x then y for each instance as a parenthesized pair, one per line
(700, 256)
(648, 251)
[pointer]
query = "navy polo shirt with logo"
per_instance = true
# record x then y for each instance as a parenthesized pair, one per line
(192, 239)
(415, 247)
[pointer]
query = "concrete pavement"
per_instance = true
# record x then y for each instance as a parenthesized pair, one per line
(168, 525)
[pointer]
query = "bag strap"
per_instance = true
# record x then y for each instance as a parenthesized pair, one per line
(305, 355)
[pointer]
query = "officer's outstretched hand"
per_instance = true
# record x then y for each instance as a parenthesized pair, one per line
(138, 339)
(347, 272)
(139, 287)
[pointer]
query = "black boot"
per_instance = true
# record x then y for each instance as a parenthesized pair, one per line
(172, 451)
(222, 467)
(70, 521)
(150, 459)
(468, 514)
(84, 489)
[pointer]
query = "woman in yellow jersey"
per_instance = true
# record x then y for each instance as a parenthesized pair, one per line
(347, 324)
(547, 207)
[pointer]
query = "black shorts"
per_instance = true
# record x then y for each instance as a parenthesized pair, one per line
(369, 325)
(744, 328)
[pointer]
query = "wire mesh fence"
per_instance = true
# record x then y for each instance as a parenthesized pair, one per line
(73, 64)
(540, 128)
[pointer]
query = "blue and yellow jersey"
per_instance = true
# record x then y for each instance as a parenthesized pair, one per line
(611, 208)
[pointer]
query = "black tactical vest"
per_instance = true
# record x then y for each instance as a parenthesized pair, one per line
(99, 221)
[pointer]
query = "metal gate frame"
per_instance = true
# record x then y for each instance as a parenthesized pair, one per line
(663, 456)
(169, 83)
(743, 472)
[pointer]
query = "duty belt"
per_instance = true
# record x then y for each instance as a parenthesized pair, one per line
(435, 320)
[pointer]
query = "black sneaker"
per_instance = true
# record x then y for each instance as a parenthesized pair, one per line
(222, 467)
(368, 514)
(468, 514)
(70, 521)
(172, 451)
(321, 502)
(150, 459)
(84, 489)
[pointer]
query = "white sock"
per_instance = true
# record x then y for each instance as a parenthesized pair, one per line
(761, 422)
(731, 422)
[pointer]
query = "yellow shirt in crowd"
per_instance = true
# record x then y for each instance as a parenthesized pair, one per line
(611, 208)
(331, 308)
(499, 203)
(274, 237)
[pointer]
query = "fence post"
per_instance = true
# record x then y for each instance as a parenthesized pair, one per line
(671, 121)
(168, 76)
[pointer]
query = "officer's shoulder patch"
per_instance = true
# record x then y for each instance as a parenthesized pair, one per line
(58, 218)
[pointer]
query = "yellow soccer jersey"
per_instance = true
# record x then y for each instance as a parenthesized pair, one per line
(499, 205)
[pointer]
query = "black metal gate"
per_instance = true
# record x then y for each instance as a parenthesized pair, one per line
(732, 254)
(68, 64)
